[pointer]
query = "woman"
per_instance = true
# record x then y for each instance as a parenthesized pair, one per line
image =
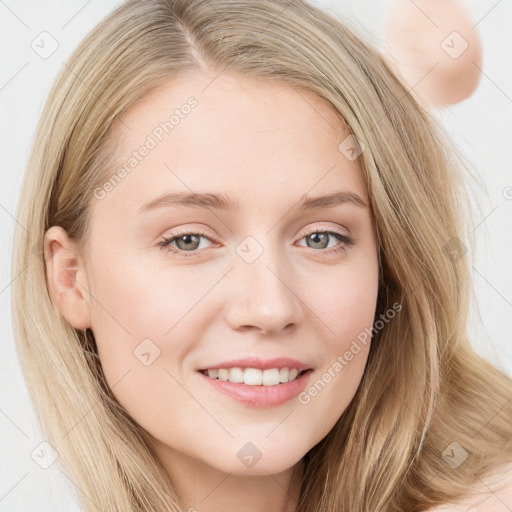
(252, 285)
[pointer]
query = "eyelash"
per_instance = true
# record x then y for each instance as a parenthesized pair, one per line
(347, 242)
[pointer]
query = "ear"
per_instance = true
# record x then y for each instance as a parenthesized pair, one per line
(67, 278)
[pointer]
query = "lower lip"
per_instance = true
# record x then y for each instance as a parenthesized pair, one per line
(260, 396)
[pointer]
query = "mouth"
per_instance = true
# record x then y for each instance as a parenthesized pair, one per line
(255, 376)
(254, 390)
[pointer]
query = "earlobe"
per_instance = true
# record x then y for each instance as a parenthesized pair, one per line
(66, 278)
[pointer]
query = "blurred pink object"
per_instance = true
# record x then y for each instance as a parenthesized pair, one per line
(432, 44)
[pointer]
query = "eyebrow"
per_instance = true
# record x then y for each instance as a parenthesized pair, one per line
(222, 202)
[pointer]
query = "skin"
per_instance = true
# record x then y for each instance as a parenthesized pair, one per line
(443, 67)
(265, 145)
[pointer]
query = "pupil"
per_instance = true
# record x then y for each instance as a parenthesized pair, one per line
(188, 241)
(317, 238)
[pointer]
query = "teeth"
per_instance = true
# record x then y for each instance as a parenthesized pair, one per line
(236, 375)
(254, 376)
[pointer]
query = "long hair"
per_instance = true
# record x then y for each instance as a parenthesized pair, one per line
(424, 390)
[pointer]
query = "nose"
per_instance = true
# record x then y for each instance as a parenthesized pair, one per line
(263, 297)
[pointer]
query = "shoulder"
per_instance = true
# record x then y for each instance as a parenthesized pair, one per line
(494, 493)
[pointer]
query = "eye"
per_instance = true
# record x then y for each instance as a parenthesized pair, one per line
(320, 240)
(188, 242)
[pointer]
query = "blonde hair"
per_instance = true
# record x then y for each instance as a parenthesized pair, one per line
(423, 388)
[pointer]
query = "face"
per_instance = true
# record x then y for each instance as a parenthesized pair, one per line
(267, 277)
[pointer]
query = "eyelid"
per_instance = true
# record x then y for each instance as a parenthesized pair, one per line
(327, 226)
(190, 229)
(313, 227)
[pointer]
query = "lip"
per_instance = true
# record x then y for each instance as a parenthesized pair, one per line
(262, 364)
(260, 396)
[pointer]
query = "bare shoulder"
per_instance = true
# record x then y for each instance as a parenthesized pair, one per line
(494, 493)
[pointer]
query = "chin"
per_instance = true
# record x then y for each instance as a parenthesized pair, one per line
(249, 462)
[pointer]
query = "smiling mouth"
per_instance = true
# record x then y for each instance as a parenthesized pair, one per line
(250, 390)
(255, 376)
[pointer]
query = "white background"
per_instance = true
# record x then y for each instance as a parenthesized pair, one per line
(480, 125)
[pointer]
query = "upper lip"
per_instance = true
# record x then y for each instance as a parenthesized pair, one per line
(262, 364)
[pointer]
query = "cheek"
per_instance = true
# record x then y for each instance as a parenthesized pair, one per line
(143, 327)
(348, 311)
(349, 301)
(140, 324)
(131, 300)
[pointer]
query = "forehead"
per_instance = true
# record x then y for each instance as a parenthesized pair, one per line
(262, 140)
